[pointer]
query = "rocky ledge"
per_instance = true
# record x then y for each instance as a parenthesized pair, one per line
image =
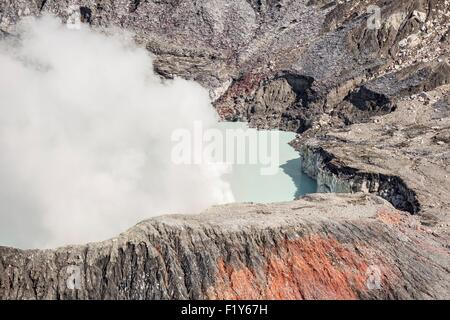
(403, 157)
(320, 247)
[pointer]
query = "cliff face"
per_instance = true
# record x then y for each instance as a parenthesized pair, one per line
(318, 50)
(372, 107)
(403, 156)
(320, 247)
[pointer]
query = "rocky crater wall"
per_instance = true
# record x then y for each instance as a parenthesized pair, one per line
(312, 67)
(332, 177)
(320, 247)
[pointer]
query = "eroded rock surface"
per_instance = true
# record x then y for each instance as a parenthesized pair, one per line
(319, 247)
(403, 156)
(238, 48)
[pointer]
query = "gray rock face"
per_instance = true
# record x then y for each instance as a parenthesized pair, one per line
(235, 48)
(404, 157)
(320, 247)
(336, 178)
(379, 95)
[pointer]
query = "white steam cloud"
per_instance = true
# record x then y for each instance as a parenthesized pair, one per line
(85, 132)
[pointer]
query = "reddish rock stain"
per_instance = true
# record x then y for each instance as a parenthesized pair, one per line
(308, 268)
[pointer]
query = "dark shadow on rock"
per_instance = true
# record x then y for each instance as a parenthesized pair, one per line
(303, 183)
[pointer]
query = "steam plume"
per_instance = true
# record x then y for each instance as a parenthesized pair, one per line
(85, 137)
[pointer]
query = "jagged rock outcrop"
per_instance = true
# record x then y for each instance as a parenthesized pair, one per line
(237, 48)
(379, 95)
(404, 157)
(334, 176)
(320, 247)
(344, 55)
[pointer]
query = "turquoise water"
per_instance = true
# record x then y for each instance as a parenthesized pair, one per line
(289, 183)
